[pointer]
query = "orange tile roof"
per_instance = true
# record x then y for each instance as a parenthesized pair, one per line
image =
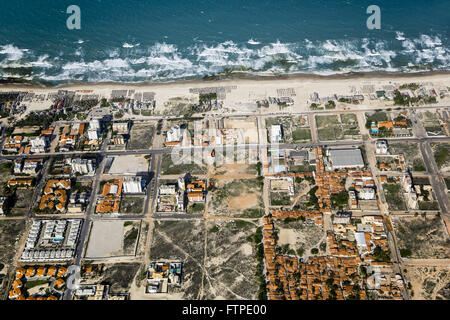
(62, 271)
(51, 271)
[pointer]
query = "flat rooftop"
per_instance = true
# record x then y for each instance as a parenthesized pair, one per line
(346, 158)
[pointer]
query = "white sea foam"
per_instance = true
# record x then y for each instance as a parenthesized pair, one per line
(12, 52)
(127, 45)
(42, 62)
(400, 35)
(165, 61)
(253, 42)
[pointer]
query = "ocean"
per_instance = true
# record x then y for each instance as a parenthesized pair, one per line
(167, 40)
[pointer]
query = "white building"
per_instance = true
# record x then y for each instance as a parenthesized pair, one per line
(381, 147)
(92, 134)
(121, 127)
(410, 191)
(276, 133)
(361, 241)
(132, 185)
(174, 134)
(82, 166)
(367, 194)
(30, 166)
(18, 166)
(38, 144)
(94, 124)
(167, 189)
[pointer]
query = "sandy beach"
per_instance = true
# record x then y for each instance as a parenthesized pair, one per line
(241, 94)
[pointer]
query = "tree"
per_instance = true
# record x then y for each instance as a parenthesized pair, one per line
(404, 252)
(330, 105)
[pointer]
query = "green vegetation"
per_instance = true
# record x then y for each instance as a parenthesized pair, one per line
(301, 134)
(104, 103)
(33, 119)
(118, 115)
(313, 200)
(196, 208)
(169, 168)
(422, 237)
(130, 238)
(252, 213)
(410, 86)
(447, 183)
(405, 252)
(441, 155)
(280, 199)
(377, 116)
(394, 196)
(381, 255)
(401, 100)
(207, 97)
(340, 200)
(323, 246)
(6, 167)
(131, 205)
(330, 105)
(314, 251)
(257, 238)
(35, 283)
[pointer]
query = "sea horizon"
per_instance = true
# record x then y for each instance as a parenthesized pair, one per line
(193, 40)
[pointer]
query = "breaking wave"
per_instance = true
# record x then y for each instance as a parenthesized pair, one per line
(165, 61)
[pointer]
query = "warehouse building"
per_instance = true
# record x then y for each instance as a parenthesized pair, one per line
(346, 158)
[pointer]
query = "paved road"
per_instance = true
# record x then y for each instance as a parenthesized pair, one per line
(82, 240)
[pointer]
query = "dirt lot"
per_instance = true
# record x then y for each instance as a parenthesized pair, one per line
(119, 276)
(20, 199)
(230, 266)
(431, 124)
(169, 168)
(22, 202)
(337, 127)
(236, 198)
(422, 238)
(430, 283)
(113, 238)
(441, 153)
(242, 166)
(178, 106)
(394, 196)
(132, 204)
(182, 241)
(413, 157)
(10, 233)
(298, 236)
(141, 136)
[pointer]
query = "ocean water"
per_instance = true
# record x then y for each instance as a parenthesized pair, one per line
(166, 40)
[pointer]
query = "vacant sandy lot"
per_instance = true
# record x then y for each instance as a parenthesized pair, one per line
(242, 202)
(104, 240)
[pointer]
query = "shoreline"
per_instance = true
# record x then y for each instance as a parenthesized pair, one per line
(237, 77)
